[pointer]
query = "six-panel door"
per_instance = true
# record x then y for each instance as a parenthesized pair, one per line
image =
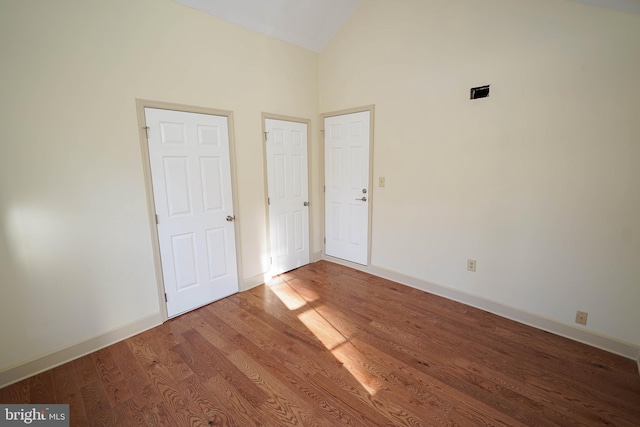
(191, 177)
(288, 185)
(347, 194)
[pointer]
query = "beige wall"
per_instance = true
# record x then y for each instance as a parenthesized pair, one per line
(539, 182)
(75, 247)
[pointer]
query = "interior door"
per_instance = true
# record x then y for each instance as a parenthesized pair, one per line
(191, 178)
(288, 188)
(346, 139)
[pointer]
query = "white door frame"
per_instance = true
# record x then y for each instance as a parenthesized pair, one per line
(141, 104)
(370, 196)
(307, 122)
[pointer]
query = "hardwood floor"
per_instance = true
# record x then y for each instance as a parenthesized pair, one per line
(325, 345)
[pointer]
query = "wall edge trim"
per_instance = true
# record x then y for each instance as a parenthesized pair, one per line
(252, 282)
(44, 363)
(593, 339)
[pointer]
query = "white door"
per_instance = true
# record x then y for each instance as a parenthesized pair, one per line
(346, 139)
(288, 185)
(191, 177)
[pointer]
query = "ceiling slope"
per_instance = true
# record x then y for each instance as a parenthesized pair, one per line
(306, 23)
(312, 23)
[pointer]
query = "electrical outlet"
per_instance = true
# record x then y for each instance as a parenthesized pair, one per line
(381, 181)
(581, 317)
(471, 265)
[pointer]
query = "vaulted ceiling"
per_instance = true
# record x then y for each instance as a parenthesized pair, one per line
(311, 23)
(306, 23)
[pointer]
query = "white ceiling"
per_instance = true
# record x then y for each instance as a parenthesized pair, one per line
(311, 23)
(306, 23)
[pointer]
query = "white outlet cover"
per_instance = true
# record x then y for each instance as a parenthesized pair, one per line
(472, 265)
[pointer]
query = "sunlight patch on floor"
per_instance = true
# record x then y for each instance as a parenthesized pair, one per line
(289, 297)
(351, 359)
(323, 330)
(339, 345)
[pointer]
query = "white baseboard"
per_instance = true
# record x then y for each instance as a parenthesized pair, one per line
(519, 315)
(44, 363)
(41, 364)
(252, 282)
(260, 279)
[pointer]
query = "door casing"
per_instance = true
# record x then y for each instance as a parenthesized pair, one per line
(141, 104)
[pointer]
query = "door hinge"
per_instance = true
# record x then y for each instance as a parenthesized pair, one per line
(165, 297)
(146, 131)
(324, 188)
(265, 135)
(157, 220)
(325, 240)
(271, 260)
(269, 201)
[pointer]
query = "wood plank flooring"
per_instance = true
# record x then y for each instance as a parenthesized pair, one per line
(326, 345)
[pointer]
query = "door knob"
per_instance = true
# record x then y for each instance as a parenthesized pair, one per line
(364, 199)
(230, 218)
(306, 203)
